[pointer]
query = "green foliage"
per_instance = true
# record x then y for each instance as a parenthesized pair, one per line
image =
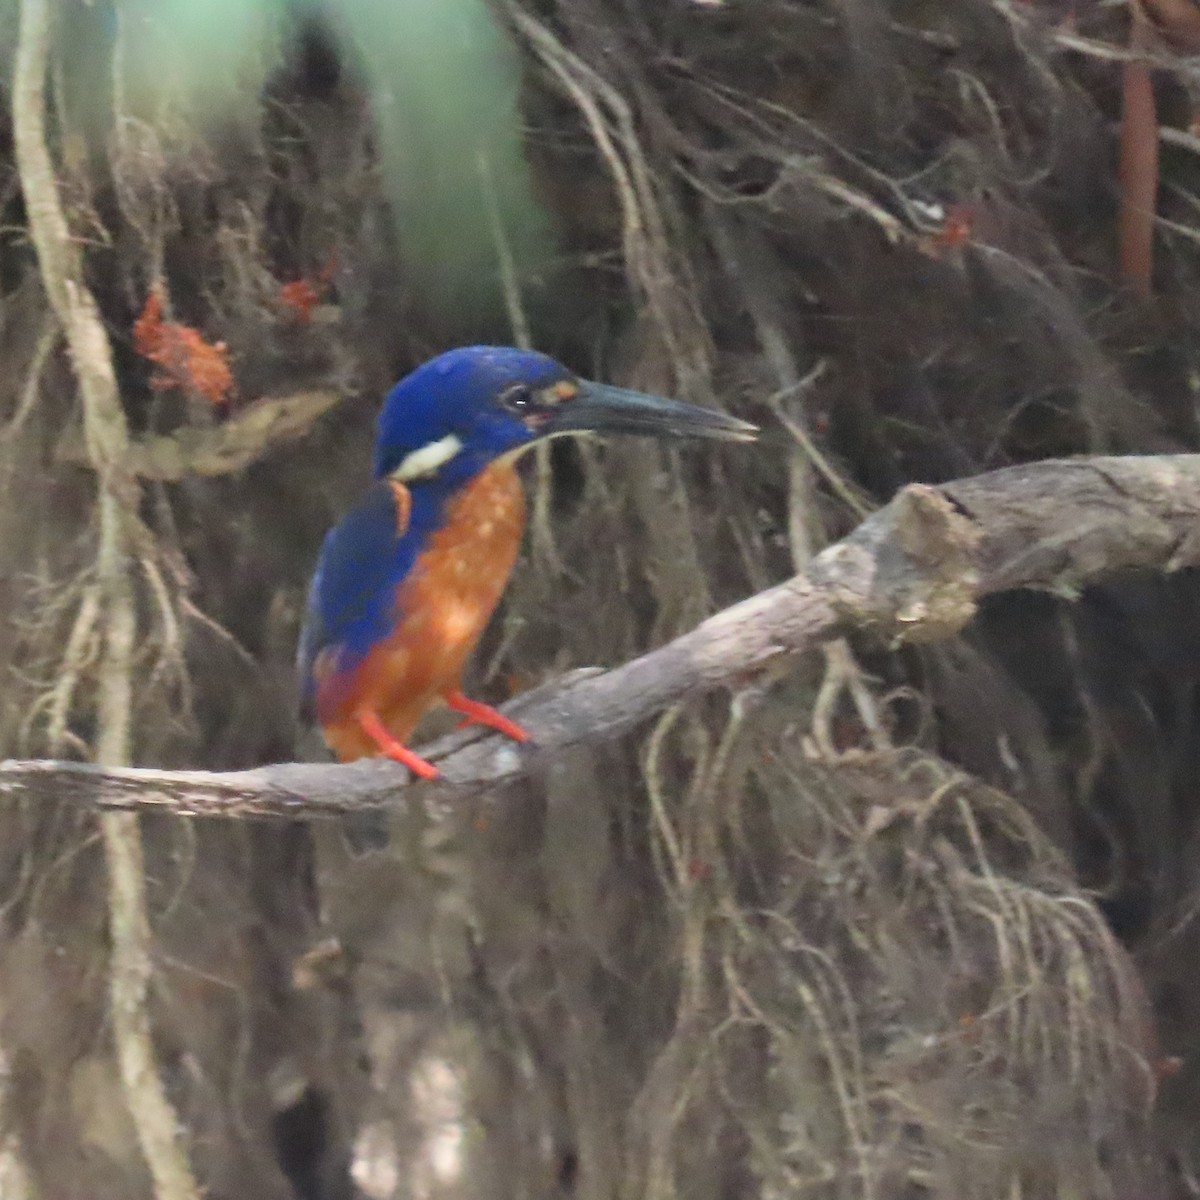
(201, 60)
(442, 78)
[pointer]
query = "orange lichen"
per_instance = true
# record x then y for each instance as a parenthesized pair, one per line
(301, 296)
(957, 225)
(183, 358)
(956, 230)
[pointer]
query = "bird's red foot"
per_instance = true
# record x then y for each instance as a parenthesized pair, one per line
(484, 714)
(374, 728)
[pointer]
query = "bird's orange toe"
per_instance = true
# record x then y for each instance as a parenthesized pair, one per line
(477, 713)
(375, 729)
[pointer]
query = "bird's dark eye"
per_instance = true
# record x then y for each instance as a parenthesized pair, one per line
(517, 398)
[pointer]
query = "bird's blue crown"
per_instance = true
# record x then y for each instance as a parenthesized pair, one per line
(479, 396)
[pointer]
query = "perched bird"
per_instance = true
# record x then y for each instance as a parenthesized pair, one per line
(408, 578)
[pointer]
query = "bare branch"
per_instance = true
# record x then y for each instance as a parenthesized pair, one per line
(224, 449)
(913, 571)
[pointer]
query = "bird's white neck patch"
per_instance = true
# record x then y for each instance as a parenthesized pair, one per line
(428, 460)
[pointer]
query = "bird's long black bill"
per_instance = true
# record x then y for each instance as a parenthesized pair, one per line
(603, 408)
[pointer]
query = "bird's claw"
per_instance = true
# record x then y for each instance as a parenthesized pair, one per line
(388, 746)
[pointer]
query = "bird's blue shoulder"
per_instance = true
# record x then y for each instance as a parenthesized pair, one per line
(351, 600)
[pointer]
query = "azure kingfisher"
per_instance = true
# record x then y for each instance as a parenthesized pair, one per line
(408, 578)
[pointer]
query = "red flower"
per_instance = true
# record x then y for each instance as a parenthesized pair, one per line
(183, 358)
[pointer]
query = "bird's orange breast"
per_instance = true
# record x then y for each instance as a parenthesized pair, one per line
(442, 608)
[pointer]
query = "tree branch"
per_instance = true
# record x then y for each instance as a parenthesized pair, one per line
(223, 449)
(913, 571)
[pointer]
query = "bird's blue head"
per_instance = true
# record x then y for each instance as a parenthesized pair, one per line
(462, 410)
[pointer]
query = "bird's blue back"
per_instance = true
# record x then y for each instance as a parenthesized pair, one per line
(364, 559)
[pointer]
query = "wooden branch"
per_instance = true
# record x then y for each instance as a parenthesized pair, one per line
(913, 571)
(222, 449)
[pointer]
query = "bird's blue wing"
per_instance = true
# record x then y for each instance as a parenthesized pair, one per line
(351, 599)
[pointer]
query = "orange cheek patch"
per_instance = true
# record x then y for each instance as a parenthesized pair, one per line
(403, 498)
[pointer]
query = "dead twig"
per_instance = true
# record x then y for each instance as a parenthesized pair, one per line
(221, 450)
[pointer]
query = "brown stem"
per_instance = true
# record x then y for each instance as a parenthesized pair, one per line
(1137, 167)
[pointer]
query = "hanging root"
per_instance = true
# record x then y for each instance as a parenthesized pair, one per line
(887, 981)
(109, 606)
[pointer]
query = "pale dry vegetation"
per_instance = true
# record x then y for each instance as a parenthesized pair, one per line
(889, 923)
